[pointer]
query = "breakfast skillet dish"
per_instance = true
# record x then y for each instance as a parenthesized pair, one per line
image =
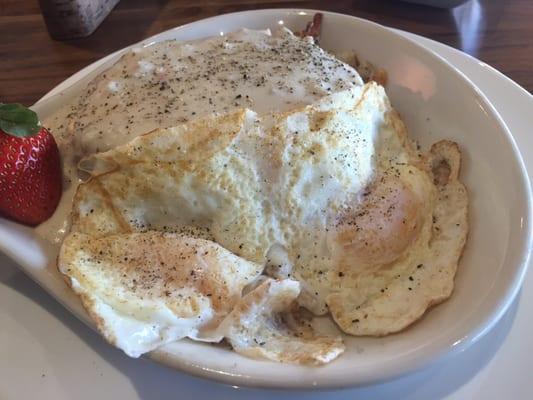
(238, 188)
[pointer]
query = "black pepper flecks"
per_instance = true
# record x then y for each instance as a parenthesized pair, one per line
(170, 83)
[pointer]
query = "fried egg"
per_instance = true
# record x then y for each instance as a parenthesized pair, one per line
(248, 182)
(147, 289)
(389, 298)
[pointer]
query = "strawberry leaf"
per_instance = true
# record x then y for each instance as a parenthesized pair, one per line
(17, 120)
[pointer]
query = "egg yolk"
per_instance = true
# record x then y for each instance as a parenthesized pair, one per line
(377, 229)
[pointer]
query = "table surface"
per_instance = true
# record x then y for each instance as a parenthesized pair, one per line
(498, 32)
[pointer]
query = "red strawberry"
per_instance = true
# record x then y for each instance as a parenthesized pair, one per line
(30, 168)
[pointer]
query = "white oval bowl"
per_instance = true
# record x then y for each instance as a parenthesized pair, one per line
(436, 101)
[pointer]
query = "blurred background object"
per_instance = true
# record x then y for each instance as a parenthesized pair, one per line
(470, 22)
(438, 3)
(69, 19)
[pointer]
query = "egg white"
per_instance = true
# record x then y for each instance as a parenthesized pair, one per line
(296, 193)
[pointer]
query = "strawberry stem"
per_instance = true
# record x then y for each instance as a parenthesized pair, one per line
(17, 120)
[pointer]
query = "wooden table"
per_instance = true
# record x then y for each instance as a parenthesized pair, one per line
(499, 32)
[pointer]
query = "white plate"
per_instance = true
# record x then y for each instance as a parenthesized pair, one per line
(421, 85)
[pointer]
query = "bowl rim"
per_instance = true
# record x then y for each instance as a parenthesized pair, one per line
(421, 362)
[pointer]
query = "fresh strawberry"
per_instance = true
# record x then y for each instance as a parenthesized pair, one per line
(30, 168)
